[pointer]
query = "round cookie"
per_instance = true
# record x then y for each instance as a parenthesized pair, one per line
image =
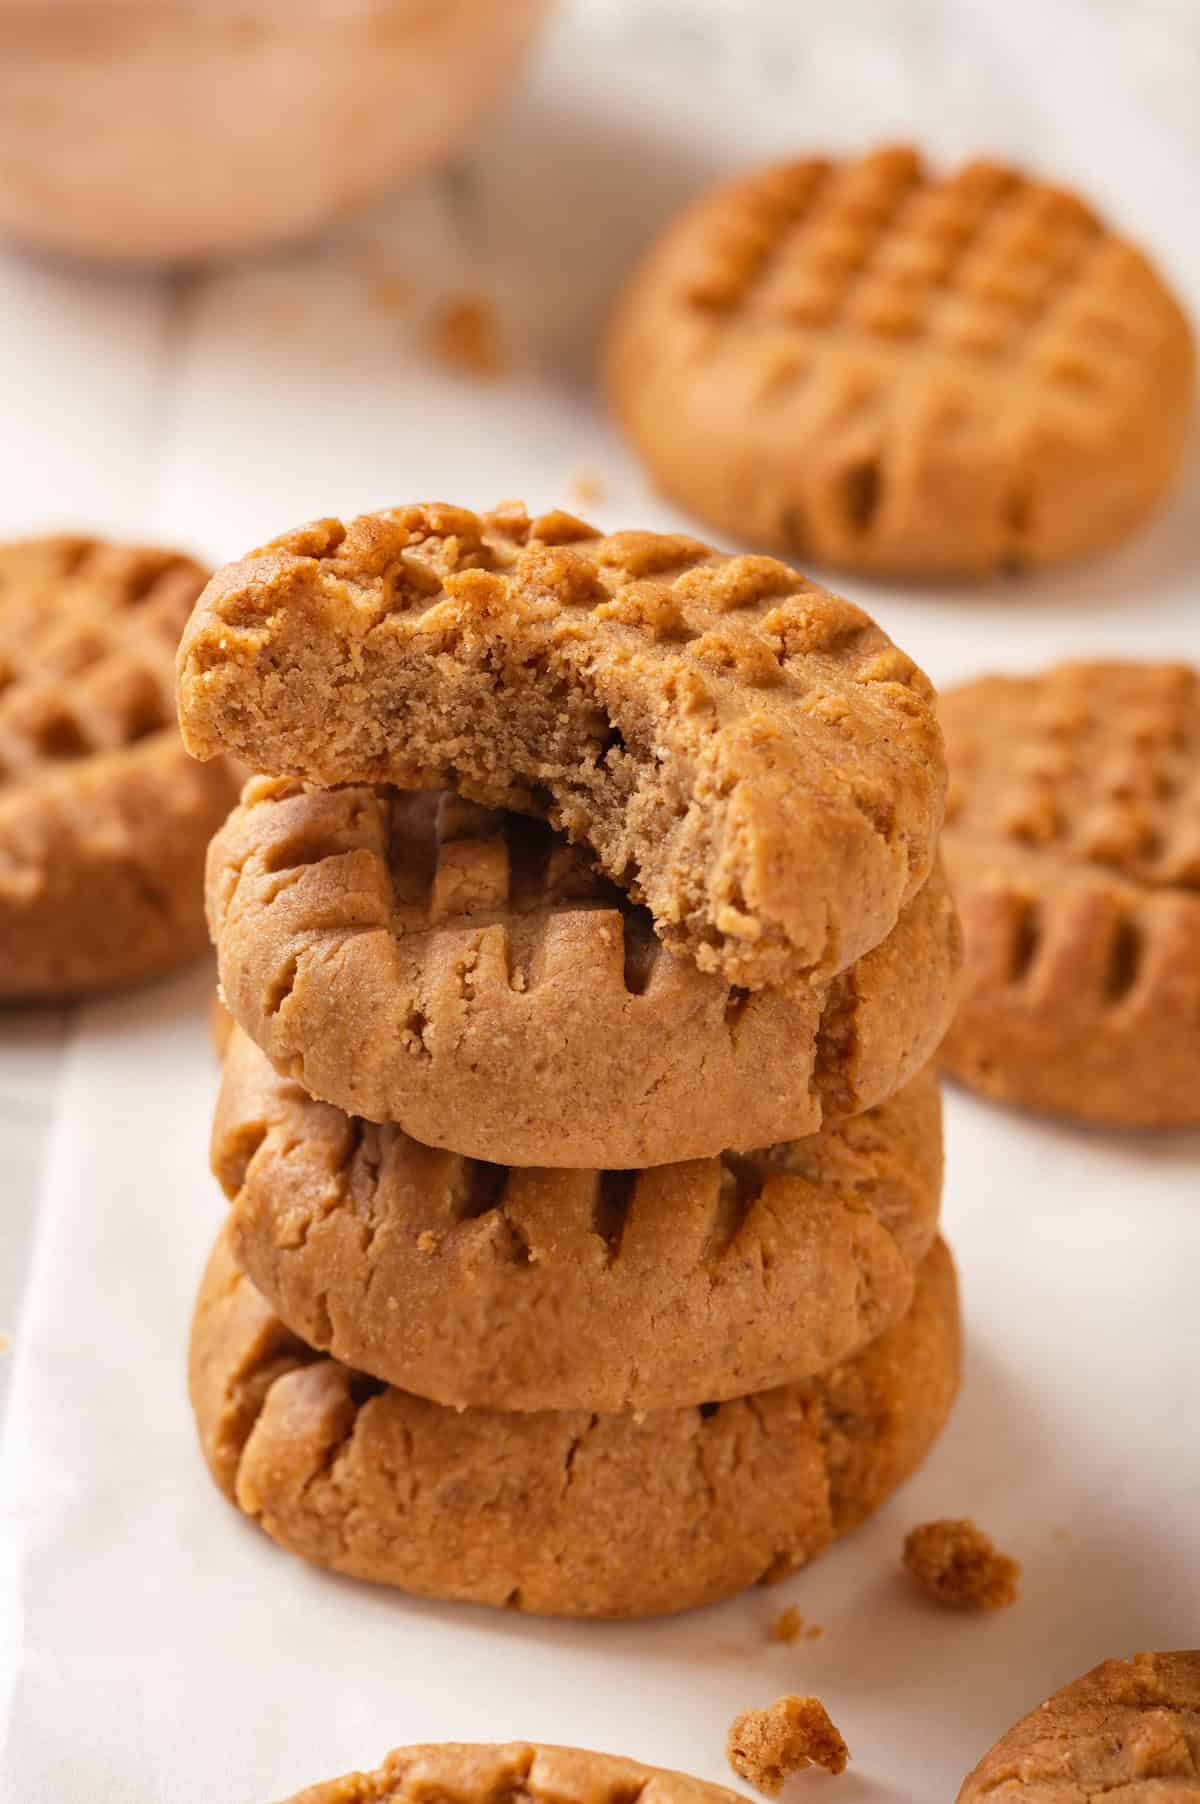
(869, 365)
(518, 1772)
(571, 1513)
(1129, 1729)
(1073, 847)
(418, 959)
(473, 1284)
(747, 755)
(104, 819)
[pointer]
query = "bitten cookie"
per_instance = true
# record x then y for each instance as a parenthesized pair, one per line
(1129, 1729)
(537, 1289)
(517, 1772)
(1073, 847)
(415, 958)
(104, 819)
(866, 364)
(746, 754)
(571, 1513)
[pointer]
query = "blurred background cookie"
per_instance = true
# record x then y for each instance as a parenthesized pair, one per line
(866, 364)
(104, 819)
(1072, 843)
(1129, 1729)
(474, 1284)
(658, 1512)
(416, 958)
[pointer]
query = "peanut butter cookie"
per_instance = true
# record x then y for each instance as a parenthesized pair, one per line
(477, 1285)
(866, 364)
(560, 1513)
(517, 1772)
(104, 819)
(415, 958)
(745, 754)
(1073, 846)
(1129, 1729)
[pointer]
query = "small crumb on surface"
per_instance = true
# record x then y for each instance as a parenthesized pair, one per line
(790, 1626)
(5, 1342)
(960, 1568)
(427, 1241)
(585, 487)
(466, 337)
(766, 1746)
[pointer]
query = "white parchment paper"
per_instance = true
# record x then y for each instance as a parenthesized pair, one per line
(155, 1648)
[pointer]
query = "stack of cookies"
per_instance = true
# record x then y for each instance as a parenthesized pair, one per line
(587, 947)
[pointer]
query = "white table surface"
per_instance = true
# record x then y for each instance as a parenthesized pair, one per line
(215, 408)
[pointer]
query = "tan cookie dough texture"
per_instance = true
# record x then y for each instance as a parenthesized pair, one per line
(1073, 847)
(606, 1290)
(415, 958)
(870, 365)
(104, 819)
(746, 754)
(514, 1773)
(1129, 1729)
(560, 1513)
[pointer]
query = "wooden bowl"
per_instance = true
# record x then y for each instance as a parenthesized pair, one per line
(161, 131)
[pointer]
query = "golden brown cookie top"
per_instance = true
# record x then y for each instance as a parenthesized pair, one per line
(882, 249)
(1091, 766)
(513, 1773)
(684, 1283)
(88, 633)
(1128, 1728)
(411, 956)
(977, 342)
(745, 752)
(1072, 844)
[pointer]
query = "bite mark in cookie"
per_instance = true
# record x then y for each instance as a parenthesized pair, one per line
(744, 753)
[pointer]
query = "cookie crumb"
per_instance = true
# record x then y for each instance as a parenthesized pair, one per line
(466, 338)
(790, 1626)
(5, 1342)
(427, 1241)
(766, 1746)
(585, 487)
(960, 1568)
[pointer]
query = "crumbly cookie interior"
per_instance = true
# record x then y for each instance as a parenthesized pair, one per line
(745, 754)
